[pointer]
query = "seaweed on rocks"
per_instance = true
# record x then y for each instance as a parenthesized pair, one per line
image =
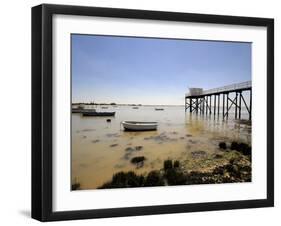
(243, 148)
(222, 145)
(237, 169)
(234, 145)
(138, 161)
(175, 177)
(176, 164)
(168, 164)
(154, 178)
(75, 186)
(124, 179)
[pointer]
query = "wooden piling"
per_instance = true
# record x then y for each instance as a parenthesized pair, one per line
(215, 102)
(240, 97)
(227, 104)
(250, 113)
(236, 96)
(196, 105)
(223, 102)
(203, 105)
(219, 104)
(210, 104)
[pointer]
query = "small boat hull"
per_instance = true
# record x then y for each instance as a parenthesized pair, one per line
(77, 110)
(98, 113)
(139, 126)
(159, 109)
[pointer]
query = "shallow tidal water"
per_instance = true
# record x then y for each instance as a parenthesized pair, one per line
(101, 148)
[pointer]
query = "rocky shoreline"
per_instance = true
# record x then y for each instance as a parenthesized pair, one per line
(232, 163)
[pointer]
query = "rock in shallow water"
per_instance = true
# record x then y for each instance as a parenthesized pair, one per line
(129, 149)
(138, 161)
(138, 148)
(222, 145)
(95, 141)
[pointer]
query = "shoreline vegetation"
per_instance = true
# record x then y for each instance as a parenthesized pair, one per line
(231, 164)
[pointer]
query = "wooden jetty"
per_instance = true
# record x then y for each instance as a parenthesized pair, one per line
(200, 101)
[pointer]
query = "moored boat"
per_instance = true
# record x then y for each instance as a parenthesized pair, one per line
(159, 109)
(96, 113)
(78, 109)
(139, 126)
(75, 110)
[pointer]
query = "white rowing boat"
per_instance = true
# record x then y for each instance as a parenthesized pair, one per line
(139, 126)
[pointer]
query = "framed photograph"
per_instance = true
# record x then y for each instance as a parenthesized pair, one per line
(145, 112)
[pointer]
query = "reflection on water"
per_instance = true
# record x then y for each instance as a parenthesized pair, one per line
(101, 148)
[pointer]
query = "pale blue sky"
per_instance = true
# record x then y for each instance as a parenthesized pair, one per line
(152, 71)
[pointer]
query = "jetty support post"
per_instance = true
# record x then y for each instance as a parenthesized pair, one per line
(250, 113)
(215, 100)
(240, 98)
(236, 96)
(203, 105)
(219, 104)
(199, 105)
(206, 105)
(227, 97)
(196, 105)
(210, 104)
(223, 102)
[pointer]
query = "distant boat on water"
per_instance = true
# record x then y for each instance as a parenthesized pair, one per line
(159, 109)
(75, 110)
(96, 113)
(139, 126)
(135, 107)
(91, 112)
(78, 109)
(104, 107)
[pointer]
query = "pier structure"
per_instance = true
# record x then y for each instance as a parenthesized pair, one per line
(200, 101)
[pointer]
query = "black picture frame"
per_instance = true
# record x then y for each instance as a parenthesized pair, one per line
(42, 111)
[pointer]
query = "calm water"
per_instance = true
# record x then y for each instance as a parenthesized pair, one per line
(99, 147)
